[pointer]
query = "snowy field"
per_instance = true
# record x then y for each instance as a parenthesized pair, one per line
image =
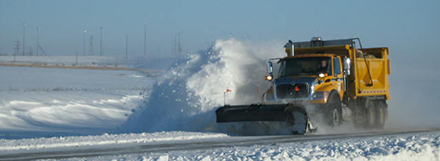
(102, 61)
(66, 60)
(75, 109)
(49, 102)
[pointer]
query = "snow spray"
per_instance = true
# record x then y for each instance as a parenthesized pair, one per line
(186, 97)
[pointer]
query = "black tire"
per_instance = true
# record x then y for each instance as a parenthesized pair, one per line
(334, 114)
(381, 114)
(370, 114)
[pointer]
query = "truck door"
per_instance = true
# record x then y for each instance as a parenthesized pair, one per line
(338, 76)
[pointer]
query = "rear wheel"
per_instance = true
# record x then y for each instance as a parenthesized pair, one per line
(370, 114)
(381, 114)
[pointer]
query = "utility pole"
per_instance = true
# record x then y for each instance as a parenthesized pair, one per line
(24, 38)
(30, 51)
(91, 50)
(179, 47)
(76, 59)
(175, 46)
(38, 39)
(126, 46)
(100, 44)
(145, 38)
(16, 48)
(84, 42)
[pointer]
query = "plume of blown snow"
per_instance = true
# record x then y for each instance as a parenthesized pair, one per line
(188, 94)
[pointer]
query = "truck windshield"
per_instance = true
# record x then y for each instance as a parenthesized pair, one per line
(306, 66)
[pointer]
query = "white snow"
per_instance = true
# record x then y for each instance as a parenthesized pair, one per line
(103, 61)
(46, 100)
(38, 102)
(400, 147)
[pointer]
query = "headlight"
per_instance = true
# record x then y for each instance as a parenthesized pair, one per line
(320, 95)
(268, 77)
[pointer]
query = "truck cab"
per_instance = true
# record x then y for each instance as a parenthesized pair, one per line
(306, 78)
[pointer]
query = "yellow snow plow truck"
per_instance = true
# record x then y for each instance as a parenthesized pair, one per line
(329, 82)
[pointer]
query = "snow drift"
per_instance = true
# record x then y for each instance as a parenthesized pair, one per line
(43, 102)
(187, 96)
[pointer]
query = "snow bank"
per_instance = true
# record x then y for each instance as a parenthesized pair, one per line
(61, 114)
(188, 94)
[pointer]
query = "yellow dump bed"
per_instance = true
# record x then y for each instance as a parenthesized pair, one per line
(372, 82)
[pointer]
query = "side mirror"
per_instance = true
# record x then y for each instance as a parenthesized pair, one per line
(269, 68)
(270, 71)
(347, 63)
(269, 77)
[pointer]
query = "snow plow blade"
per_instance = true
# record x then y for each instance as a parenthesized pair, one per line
(254, 112)
(257, 112)
(294, 115)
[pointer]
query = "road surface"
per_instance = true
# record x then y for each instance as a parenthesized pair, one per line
(198, 144)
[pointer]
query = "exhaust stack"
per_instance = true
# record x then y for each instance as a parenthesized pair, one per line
(290, 48)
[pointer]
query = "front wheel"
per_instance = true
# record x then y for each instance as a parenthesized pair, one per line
(336, 117)
(335, 110)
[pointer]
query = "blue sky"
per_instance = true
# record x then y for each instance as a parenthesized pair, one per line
(406, 26)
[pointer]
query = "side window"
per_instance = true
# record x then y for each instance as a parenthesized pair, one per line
(337, 66)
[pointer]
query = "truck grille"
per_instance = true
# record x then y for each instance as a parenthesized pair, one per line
(286, 91)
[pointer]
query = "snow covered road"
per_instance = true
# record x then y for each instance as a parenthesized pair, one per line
(164, 144)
